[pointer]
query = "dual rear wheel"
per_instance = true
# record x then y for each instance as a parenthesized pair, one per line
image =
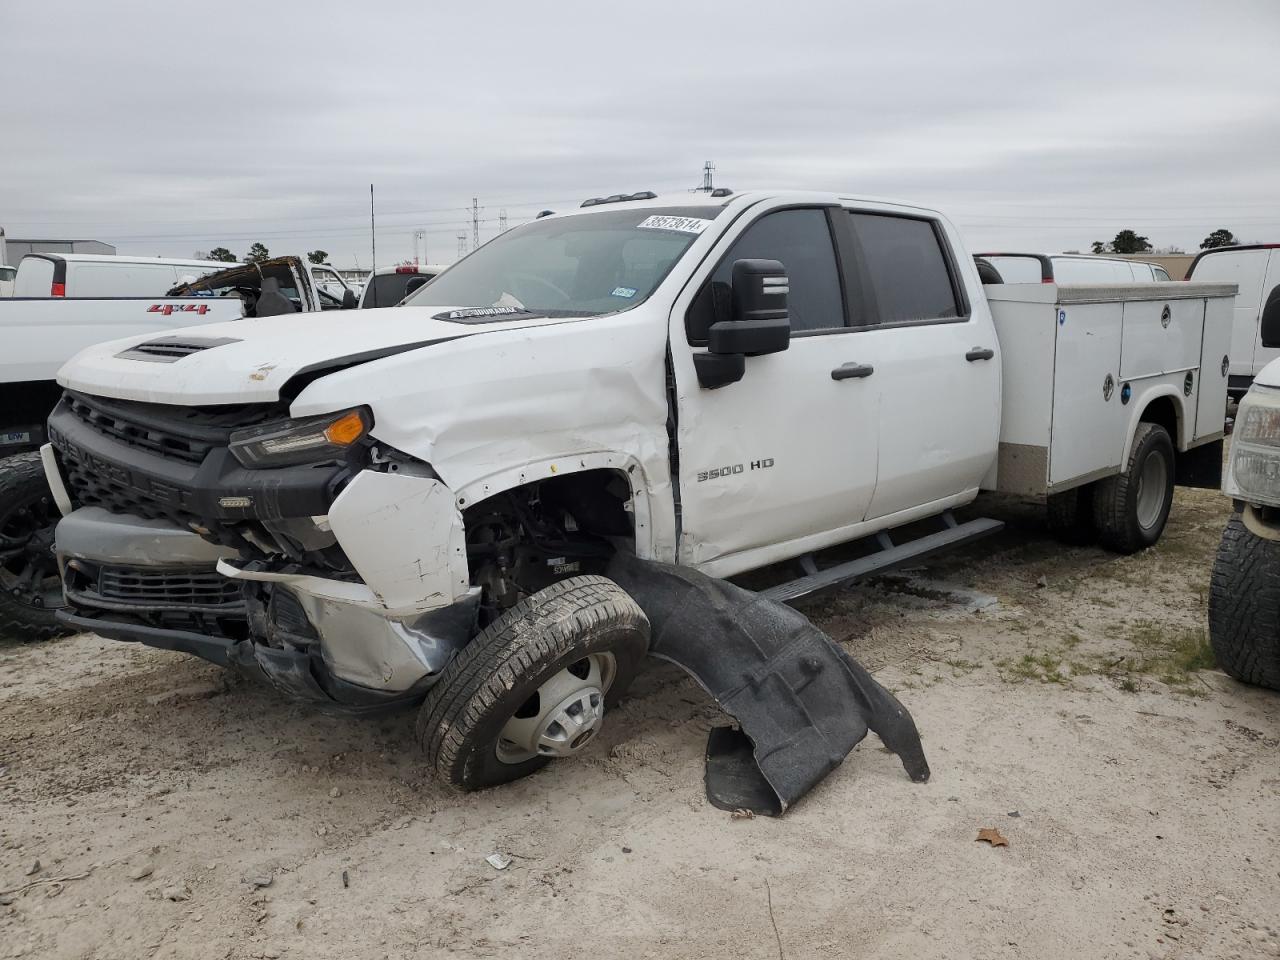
(1126, 512)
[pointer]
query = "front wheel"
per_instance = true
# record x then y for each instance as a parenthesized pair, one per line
(1244, 606)
(534, 684)
(1131, 508)
(30, 588)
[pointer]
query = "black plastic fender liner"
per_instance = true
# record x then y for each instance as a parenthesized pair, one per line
(801, 699)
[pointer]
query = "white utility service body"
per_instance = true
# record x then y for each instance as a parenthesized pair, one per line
(878, 397)
(1083, 362)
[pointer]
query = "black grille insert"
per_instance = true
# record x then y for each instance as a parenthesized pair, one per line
(186, 433)
(166, 587)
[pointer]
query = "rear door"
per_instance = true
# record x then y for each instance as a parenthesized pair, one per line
(1248, 270)
(936, 360)
(772, 465)
(34, 278)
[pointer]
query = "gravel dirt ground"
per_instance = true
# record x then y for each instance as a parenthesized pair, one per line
(173, 814)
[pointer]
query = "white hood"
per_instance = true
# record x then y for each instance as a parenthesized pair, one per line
(266, 353)
(1269, 376)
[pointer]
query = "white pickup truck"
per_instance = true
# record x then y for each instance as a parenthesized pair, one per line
(40, 333)
(1244, 594)
(420, 510)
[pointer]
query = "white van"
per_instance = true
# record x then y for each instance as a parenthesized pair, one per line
(1073, 268)
(1255, 268)
(97, 275)
(6, 280)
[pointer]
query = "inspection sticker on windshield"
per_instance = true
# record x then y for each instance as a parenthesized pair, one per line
(679, 224)
(625, 292)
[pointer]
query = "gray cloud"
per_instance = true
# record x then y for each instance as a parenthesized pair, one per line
(169, 128)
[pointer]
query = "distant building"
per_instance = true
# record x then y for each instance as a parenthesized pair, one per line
(13, 249)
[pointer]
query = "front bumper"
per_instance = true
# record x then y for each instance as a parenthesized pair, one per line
(355, 645)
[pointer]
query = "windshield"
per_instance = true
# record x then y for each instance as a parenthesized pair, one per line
(585, 265)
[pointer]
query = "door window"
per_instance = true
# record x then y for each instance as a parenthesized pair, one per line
(907, 267)
(801, 241)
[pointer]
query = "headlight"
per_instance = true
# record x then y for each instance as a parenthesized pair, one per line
(1253, 473)
(291, 442)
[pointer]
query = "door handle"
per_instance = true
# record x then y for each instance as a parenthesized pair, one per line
(849, 371)
(979, 353)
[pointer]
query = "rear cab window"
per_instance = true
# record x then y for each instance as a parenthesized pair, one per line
(909, 269)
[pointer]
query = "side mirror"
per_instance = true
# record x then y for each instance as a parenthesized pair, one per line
(349, 301)
(759, 323)
(1269, 328)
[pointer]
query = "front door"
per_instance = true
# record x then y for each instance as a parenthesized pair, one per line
(772, 463)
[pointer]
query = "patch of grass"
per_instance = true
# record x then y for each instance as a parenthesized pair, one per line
(1044, 667)
(1170, 654)
(959, 665)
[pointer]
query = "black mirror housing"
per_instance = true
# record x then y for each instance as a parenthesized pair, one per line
(758, 324)
(1269, 327)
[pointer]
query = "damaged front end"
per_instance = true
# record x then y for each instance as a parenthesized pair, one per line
(215, 532)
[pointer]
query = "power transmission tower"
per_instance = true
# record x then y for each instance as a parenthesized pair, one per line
(419, 235)
(462, 245)
(475, 223)
(502, 220)
(708, 170)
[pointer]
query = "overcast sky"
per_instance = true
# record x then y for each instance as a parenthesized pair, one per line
(171, 127)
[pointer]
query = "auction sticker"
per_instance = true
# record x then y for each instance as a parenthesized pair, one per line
(693, 225)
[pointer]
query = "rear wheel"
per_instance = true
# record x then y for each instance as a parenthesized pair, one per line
(1244, 606)
(30, 588)
(1131, 508)
(533, 686)
(1070, 515)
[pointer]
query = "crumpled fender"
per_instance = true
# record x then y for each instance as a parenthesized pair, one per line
(802, 700)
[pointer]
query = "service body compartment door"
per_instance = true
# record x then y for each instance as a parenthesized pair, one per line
(1088, 427)
(1161, 337)
(1211, 404)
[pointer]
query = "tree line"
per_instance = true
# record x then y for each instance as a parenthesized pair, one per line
(1128, 241)
(256, 254)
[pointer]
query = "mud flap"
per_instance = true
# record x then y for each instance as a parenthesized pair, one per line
(803, 702)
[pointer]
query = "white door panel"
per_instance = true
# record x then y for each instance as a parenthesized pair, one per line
(939, 413)
(1264, 355)
(784, 453)
(1248, 269)
(1160, 337)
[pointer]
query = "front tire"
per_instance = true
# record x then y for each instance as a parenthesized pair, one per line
(30, 588)
(1131, 509)
(1244, 606)
(534, 684)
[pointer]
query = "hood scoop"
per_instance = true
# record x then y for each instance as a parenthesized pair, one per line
(171, 349)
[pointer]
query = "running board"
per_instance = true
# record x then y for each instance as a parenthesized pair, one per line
(889, 555)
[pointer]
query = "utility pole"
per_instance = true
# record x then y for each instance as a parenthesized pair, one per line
(462, 245)
(502, 220)
(373, 231)
(419, 235)
(475, 223)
